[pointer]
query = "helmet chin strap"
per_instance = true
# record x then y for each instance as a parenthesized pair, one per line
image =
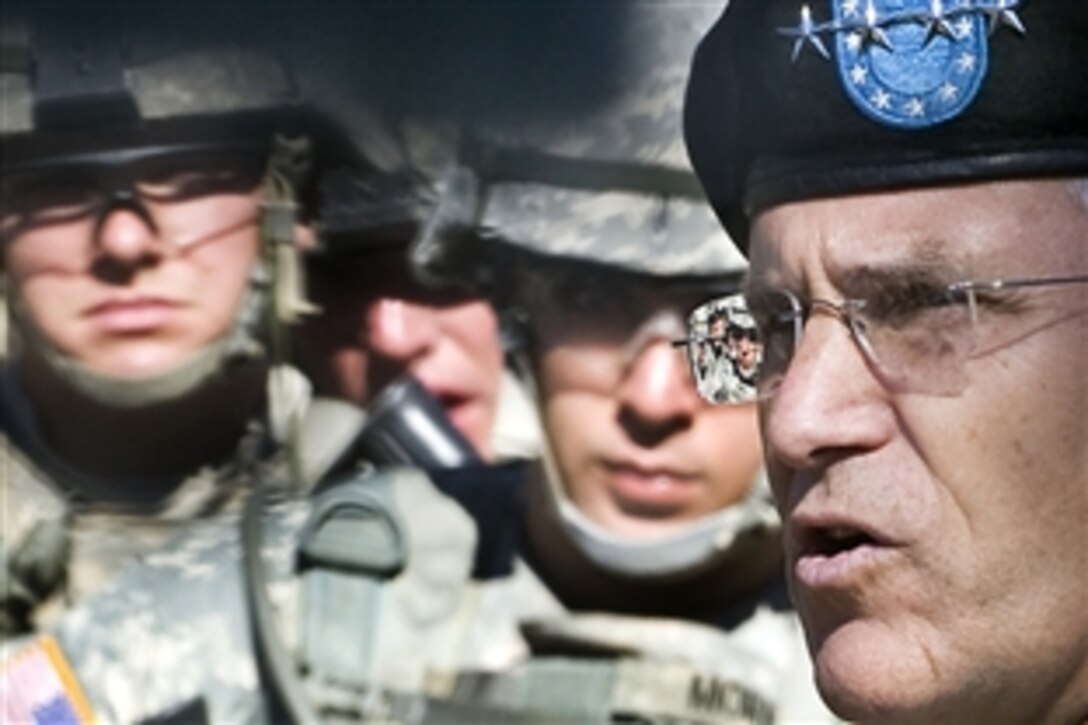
(691, 549)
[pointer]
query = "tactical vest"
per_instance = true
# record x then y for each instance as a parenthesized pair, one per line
(370, 584)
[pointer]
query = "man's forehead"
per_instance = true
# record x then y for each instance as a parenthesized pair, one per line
(788, 256)
(1015, 226)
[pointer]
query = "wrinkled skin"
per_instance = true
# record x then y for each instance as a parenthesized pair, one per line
(967, 604)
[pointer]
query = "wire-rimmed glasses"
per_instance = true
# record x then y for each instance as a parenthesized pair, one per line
(916, 336)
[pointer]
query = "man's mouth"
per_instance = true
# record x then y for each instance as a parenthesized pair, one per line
(650, 491)
(128, 316)
(835, 540)
(835, 554)
(460, 409)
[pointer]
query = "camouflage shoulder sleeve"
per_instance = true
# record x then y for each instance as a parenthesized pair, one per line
(33, 541)
(169, 631)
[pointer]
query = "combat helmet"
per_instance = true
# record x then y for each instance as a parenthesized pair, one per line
(610, 187)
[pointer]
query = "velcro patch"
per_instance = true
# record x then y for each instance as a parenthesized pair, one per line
(37, 686)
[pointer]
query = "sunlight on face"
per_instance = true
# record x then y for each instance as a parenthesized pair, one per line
(916, 523)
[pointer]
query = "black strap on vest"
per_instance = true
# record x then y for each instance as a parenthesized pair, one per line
(494, 496)
(278, 677)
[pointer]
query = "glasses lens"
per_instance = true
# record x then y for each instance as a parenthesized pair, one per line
(921, 341)
(598, 309)
(724, 350)
(778, 318)
(30, 199)
(600, 323)
(191, 195)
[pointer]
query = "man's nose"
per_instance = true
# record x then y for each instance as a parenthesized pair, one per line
(400, 329)
(656, 392)
(127, 236)
(829, 403)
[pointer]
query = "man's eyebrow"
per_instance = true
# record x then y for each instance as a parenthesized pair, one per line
(922, 262)
(867, 280)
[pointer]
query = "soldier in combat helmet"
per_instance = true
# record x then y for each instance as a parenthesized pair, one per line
(650, 578)
(148, 227)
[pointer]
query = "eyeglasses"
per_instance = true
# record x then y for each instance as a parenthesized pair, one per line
(590, 306)
(67, 189)
(917, 334)
(609, 318)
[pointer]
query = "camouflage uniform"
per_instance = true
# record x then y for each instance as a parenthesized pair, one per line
(61, 545)
(616, 190)
(180, 630)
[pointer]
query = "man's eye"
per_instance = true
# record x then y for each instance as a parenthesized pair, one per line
(899, 306)
(772, 313)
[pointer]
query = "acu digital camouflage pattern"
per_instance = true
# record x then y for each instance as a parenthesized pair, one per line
(176, 628)
(632, 200)
(170, 75)
(596, 667)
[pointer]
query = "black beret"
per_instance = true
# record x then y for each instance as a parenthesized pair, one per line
(791, 100)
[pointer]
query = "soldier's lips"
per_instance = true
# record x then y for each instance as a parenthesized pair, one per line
(462, 410)
(652, 491)
(132, 314)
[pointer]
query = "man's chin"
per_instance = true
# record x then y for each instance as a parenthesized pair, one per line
(866, 672)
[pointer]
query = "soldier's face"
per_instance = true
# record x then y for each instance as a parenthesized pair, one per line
(130, 290)
(638, 450)
(378, 324)
(937, 544)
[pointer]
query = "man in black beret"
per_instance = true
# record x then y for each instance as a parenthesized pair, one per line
(911, 179)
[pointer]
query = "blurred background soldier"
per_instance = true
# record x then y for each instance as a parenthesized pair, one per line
(153, 184)
(148, 226)
(380, 329)
(651, 581)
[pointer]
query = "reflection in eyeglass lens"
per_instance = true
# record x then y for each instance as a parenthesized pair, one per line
(724, 350)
